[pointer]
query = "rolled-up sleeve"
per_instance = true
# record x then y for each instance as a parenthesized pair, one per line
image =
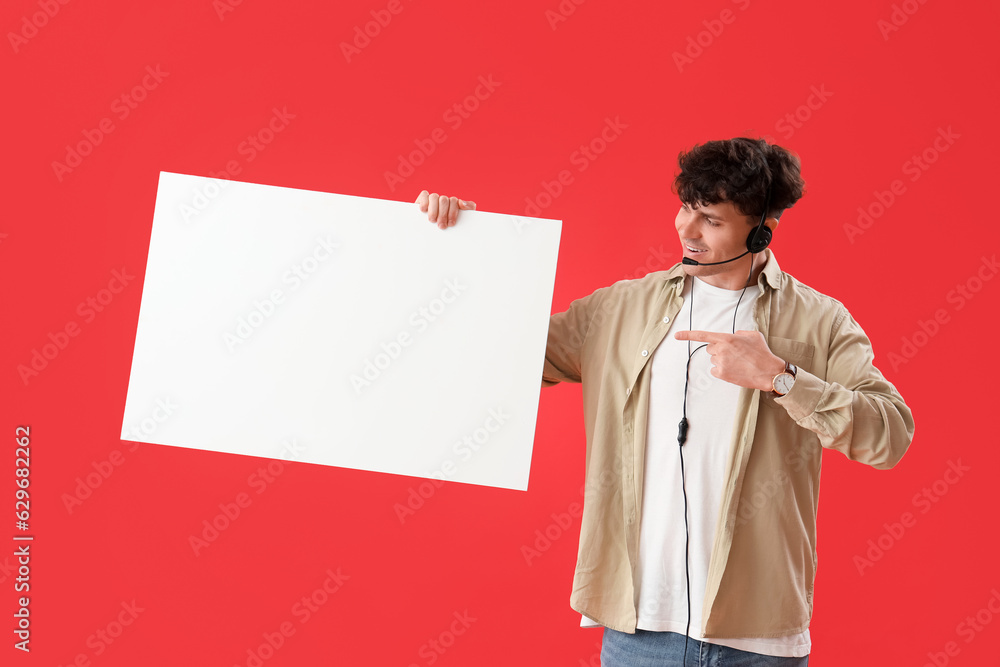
(567, 335)
(854, 410)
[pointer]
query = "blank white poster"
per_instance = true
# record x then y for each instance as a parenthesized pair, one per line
(343, 331)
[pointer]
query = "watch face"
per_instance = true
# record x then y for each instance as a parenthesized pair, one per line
(783, 383)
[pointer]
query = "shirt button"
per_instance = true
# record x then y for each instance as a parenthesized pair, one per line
(645, 352)
(666, 319)
(628, 390)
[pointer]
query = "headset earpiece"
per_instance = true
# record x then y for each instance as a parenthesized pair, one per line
(759, 239)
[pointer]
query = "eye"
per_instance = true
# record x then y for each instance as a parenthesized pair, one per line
(711, 223)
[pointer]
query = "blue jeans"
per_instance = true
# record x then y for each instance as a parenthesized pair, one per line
(665, 649)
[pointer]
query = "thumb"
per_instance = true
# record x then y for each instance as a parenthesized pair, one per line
(466, 205)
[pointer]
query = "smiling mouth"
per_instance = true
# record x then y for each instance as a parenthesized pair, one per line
(695, 250)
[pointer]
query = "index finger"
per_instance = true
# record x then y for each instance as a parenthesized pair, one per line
(422, 199)
(703, 336)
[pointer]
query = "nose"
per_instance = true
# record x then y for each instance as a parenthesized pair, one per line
(683, 223)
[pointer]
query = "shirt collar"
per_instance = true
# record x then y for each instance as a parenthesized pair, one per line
(771, 274)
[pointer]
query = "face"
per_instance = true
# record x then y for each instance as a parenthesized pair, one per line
(715, 233)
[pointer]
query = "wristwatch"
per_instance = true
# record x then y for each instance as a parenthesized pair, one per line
(783, 381)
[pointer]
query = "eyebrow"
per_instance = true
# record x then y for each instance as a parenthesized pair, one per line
(710, 216)
(701, 211)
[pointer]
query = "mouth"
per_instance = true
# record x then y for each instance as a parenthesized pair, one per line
(694, 251)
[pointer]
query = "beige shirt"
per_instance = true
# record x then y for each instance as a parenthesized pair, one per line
(763, 562)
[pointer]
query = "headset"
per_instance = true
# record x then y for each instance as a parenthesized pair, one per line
(757, 241)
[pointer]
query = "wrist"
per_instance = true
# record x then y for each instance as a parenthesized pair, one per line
(775, 367)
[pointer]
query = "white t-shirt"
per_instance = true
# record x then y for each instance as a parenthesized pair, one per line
(711, 413)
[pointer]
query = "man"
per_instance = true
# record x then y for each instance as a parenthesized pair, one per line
(710, 391)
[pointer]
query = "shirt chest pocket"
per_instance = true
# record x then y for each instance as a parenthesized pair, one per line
(793, 351)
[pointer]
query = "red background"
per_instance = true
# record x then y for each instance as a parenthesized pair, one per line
(885, 98)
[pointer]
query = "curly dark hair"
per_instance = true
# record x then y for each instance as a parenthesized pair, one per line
(735, 170)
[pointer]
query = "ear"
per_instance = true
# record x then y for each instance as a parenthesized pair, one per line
(771, 223)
